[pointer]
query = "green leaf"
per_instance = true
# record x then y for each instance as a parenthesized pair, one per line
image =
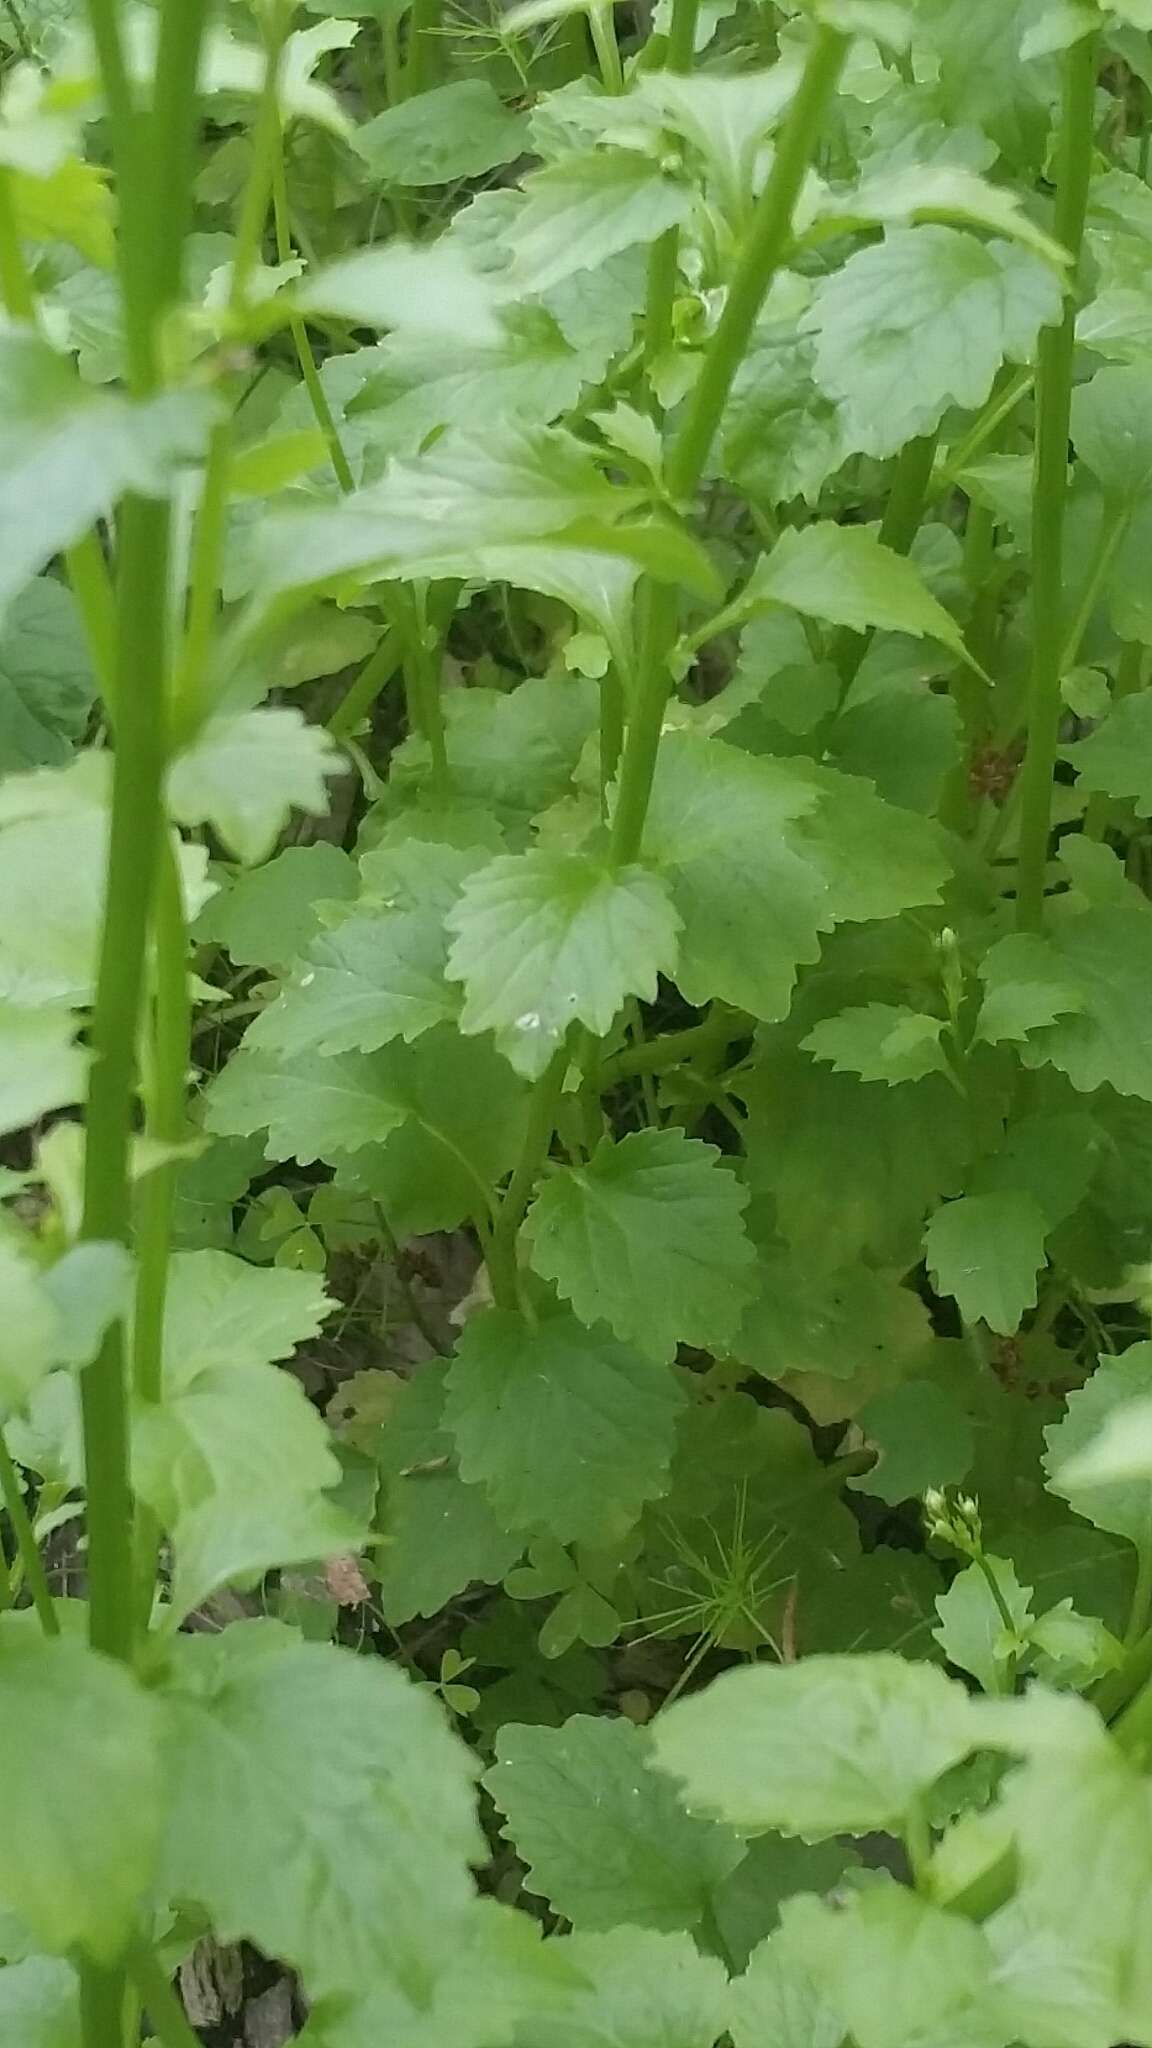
(310, 1109)
(441, 1537)
(340, 1857)
(429, 292)
(903, 1974)
(880, 1042)
(648, 1238)
(845, 576)
(1082, 998)
(586, 208)
(1116, 759)
(828, 1746)
(1110, 430)
(455, 131)
(605, 1839)
(511, 754)
(923, 1437)
(1074, 1948)
(41, 1066)
(971, 1632)
(750, 1903)
(783, 1996)
(39, 2006)
(546, 940)
(920, 322)
(46, 681)
(567, 1429)
(268, 915)
(847, 1323)
(645, 1990)
(81, 1791)
(55, 1316)
(243, 776)
(1081, 1460)
(67, 453)
(941, 192)
(986, 1250)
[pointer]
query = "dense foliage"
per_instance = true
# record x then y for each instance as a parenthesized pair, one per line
(575, 978)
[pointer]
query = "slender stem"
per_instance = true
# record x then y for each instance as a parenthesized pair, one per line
(602, 26)
(537, 1138)
(6, 1595)
(764, 249)
(1050, 488)
(360, 696)
(92, 588)
(26, 1544)
(422, 684)
(611, 728)
(719, 1029)
(908, 495)
(166, 1125)
(422, 68)
(317, 396)
(1002, 403)
(207, 555)
(167, 2016)
(15, 283)
(1113, 527)
(663, 262)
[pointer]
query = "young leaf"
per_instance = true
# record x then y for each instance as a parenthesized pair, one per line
(243, 776)
(986, 1250)
(648, 1238)
(971, 1630)
(847, 577)
(546, 940)
(455, 131)
(341, 1856)
(923, 1437)
(605, 1839)
(828, 1746)
(784, 1995)
(900, 1972)
(1081, 1000)
(586, 208)
(920, 322)
(81, 1790)
(375, 978)
(880, 1042)
(567, 1429)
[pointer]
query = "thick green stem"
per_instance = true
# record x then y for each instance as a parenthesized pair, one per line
(422, 68)
(26, 1544)
(1050, 489)
(764, 249)
(422, 685)
(909, 493)
(545, 1102)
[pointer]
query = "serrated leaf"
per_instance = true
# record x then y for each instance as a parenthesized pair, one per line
(268, 915)
(46, 682)
(828, 1746)
(310, 1109)
(847, 577)
(586, 208)
(942, 192)
(81, 1789)
(441, 1537)
(920, 322)
(986, 1250)
(377, 977)
(340, 1857)
(645, 1990)
(1110, 430)
(648, 1238)
(1086, 989)
(1085, 1457)
(55, 1316)
(546, 940)
(244, 775)
(902, 1973)
(605, 1838)
(567, 1429)
(454, 131)
(41, 1066)
(880, 1042)
(783, 1995)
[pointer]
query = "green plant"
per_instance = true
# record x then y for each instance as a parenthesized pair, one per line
(575, 766)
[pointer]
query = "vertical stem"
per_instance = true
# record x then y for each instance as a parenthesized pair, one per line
(906, 499)
(317, 396)
(664, 259)
(422, 683)
(422, 68)
(537, 1138)
(15, 283)
(602, 27)
(1050, 487)
(26, 1544)
(764, 249)
(376, 673)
